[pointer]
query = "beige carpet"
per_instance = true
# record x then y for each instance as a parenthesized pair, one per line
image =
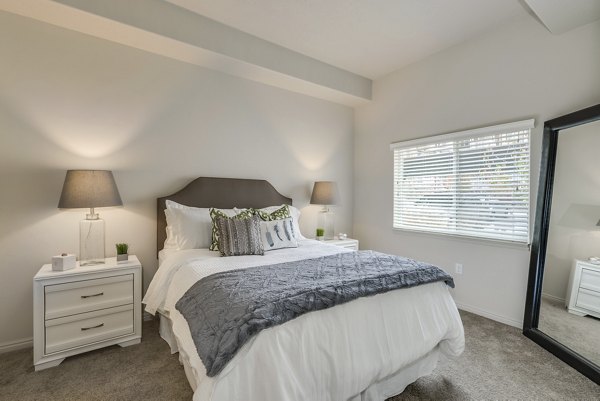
(498, 363)
(580, 333)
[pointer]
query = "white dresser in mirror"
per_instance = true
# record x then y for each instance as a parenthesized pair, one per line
(583, 292)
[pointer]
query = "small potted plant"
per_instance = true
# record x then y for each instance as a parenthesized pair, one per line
(122, 252)
(320, 234)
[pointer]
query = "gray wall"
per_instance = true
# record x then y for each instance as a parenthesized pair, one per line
(516, 72)
(70, 101)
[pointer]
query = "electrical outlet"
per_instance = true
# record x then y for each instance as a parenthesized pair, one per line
(458, 268)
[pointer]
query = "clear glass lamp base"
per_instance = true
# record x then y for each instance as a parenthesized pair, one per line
(326, 221)
(91, 241)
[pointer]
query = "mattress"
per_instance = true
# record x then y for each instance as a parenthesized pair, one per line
(351, 351)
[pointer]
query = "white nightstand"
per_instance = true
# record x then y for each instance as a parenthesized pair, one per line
(85, 308)
(583, 292)
(349, 243)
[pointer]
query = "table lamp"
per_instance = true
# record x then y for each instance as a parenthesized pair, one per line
(90, 189)
(325, 193)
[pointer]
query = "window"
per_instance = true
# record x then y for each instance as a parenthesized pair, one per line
(472, 183)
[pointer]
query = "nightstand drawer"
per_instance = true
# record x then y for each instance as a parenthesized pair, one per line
(73, 331)
(88, 295)
(589, 300)
(590, 279)
(348, 243)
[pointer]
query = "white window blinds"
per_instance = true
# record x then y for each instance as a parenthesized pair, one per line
(472, 183)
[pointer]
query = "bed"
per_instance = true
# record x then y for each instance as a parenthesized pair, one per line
(368, 349)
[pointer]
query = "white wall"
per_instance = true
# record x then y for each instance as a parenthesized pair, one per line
(575, 209)
(516, 72)
(70, 101)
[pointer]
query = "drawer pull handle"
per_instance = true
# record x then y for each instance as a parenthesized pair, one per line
(93, 295)
(93, 327)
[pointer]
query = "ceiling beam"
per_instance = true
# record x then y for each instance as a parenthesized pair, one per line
(561, 16)
(168, 30)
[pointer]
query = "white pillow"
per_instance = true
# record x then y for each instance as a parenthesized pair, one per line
(170, 242)
(189, 227)
(295, 216)
(174, 205)
(277, 234)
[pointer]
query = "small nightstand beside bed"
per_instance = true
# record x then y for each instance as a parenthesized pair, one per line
(368, 348)
(85, 308)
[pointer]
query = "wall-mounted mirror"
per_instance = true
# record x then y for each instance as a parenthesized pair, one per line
(563, 301)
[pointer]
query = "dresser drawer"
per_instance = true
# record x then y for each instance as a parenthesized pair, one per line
(589, 300)
(77, 330)
(87, 295)
(590, 279)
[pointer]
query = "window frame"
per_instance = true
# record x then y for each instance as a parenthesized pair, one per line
(512, 127)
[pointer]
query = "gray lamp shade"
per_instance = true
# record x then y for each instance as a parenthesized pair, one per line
(325, 193)
(89, 189)
(598, 223)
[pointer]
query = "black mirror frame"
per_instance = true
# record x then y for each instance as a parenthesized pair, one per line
(540, 240)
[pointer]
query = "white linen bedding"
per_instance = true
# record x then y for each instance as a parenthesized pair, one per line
(163, 254)
(333, 354)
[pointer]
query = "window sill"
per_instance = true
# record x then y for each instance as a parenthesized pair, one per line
(466, 238)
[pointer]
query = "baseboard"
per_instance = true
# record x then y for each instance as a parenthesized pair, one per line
(552, 297)
(490, 315)
(16, 345)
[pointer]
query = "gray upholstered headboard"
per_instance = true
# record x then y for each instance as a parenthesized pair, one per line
(222, 193)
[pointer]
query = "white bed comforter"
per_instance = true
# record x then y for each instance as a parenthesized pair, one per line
(333, 354)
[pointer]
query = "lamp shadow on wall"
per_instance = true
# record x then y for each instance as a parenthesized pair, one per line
(90, 125)
(30, 172)
(70, 130)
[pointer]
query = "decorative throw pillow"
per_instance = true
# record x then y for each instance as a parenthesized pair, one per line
(239, 236)
(214, 213)
(277, 234)
(282, 213)
(294, 212)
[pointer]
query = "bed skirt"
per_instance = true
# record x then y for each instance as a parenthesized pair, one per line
(379, 391)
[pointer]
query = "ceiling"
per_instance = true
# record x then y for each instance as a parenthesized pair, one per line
(328, 49)
(367, 37)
